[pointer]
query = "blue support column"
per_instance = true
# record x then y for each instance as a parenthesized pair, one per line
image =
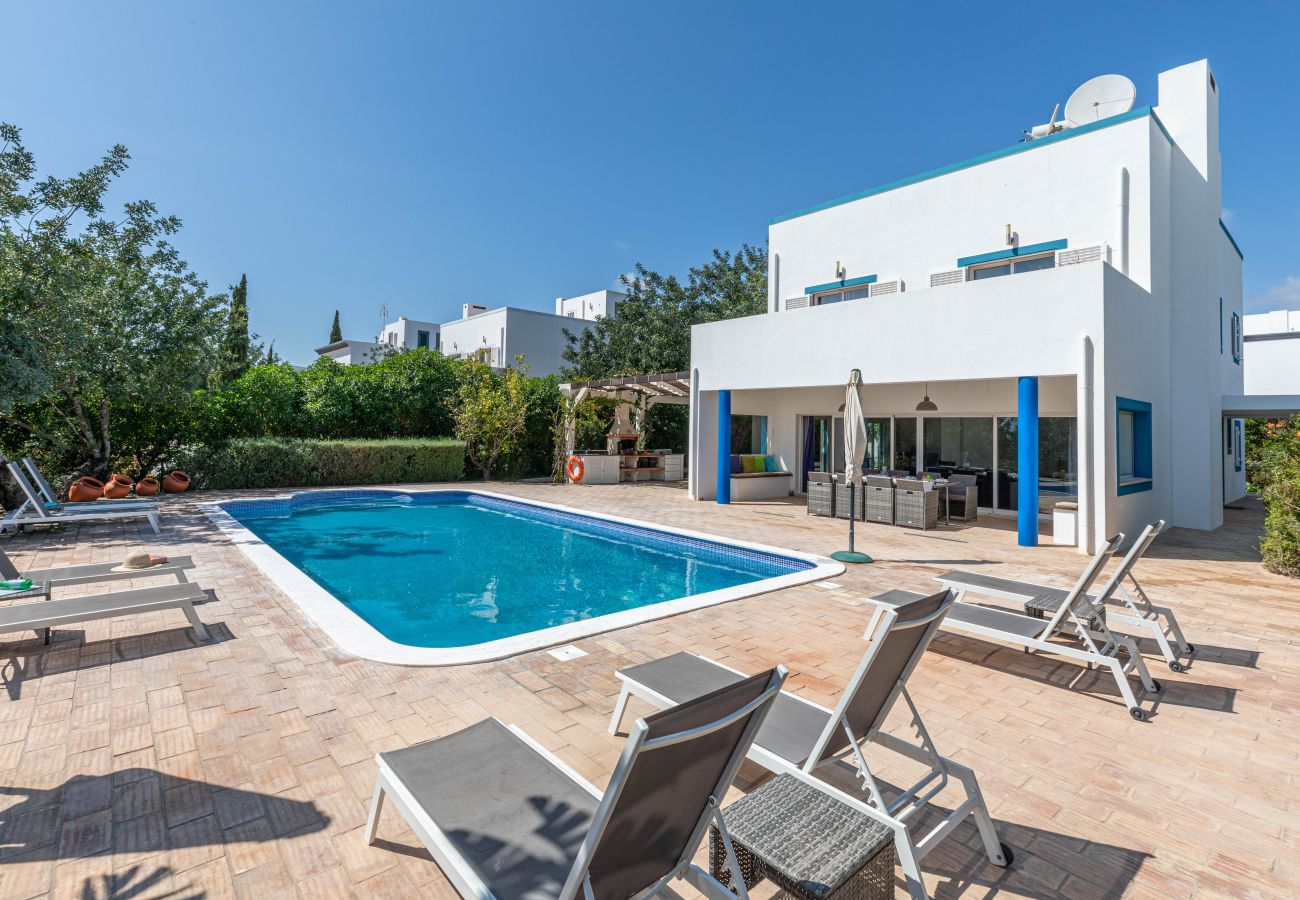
(1027, 462)
(724, 447)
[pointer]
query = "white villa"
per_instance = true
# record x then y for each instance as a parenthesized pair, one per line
(1070, 304)
(496, 336)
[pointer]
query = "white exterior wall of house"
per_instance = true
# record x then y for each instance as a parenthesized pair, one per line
(500, 335)
(405, 334)
(1143, 188)
(350, 353)
(1272, 351)
(595, 305)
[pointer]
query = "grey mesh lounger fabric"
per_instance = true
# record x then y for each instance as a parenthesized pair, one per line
(45, 614)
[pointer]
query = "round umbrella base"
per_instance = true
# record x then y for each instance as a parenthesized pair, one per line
(850, 556)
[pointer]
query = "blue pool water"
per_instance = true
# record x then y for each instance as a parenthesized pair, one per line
(452, 569)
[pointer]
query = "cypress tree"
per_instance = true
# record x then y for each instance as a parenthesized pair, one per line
(235, 344)
(336, 331)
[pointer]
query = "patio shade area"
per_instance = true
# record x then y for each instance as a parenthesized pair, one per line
(138, 763)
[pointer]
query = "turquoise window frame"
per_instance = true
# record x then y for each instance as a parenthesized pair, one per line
(1012, 253)
(1236, 338)
(1238, 446)
(1142, 470)
(839, 285)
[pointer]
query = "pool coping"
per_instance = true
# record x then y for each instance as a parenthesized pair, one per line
(355, 635)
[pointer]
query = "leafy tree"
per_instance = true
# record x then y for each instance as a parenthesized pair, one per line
(336, 330)
(651, 331)
(1273, 469)
(96, 314)
(491, 412)
(236, 346)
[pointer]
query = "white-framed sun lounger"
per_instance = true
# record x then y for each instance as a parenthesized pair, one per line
(51, 497)
(35, 512)
(1096, 643)
(799, 735)
(43, 615)
(1125, 608)
(505, 818)
(94, 573)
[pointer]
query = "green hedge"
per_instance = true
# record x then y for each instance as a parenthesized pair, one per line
(281, 462)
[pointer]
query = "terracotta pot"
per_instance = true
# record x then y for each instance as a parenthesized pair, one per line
(118, 486)
(147, 486)
(85, 488)
(175, 482)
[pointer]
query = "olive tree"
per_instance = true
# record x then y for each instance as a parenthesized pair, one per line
(491, 411)
(97, 312)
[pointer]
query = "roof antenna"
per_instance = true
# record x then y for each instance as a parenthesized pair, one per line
(1041, 131)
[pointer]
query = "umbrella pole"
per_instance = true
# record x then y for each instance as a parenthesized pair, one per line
(850, 555)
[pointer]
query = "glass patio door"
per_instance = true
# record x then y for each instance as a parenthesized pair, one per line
(1058, 462)
(961, 445)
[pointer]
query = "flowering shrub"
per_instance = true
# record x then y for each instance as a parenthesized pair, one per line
(1273, 470)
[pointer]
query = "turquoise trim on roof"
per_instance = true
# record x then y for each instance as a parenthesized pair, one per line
(1241, 256)
(832, 285)
(1024, 146)
(1011, 252)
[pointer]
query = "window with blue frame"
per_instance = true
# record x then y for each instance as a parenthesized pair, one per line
(1236, 338)
(1238, 446)
(1132, 446)
(749, 434)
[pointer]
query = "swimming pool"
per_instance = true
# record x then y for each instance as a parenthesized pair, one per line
(452, 576)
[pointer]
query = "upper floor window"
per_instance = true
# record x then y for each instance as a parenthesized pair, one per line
(840, 296)
(1236, 338)
(1012, 266)
(422, 339)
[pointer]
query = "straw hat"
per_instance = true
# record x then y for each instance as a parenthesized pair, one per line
(134, 562)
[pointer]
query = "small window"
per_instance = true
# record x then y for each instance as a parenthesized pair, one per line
(749, 434)
(1238, 446)
(1013, 266)
(1236, 338)
(1132, 446)
(841, 296)
(422, 340)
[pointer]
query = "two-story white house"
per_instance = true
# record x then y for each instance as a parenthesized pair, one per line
(498, 336)
(1070, 304)
(404, 334)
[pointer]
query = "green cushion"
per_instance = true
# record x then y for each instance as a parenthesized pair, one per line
(760, 464)
(747, 464)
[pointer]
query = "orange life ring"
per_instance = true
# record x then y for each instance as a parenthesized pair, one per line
(575, 469)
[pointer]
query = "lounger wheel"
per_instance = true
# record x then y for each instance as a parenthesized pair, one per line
(1140, 714)
(1176, 666)
(1007, 855)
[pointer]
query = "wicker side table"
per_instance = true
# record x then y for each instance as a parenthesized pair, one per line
(807, 842)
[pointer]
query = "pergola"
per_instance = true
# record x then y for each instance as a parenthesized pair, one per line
(641, 391)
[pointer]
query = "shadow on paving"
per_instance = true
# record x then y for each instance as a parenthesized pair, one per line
(136, 883)
(142, 811)
(66, 653)
(1097, 682)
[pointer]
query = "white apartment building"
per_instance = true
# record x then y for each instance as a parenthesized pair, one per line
(1066, 305)
(1271, 346)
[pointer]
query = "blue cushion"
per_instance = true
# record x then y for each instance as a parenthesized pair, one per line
(735, 464)
(772, 465)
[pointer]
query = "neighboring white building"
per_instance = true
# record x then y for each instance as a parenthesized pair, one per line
(498, 336)
(1075, 293)
(1272, 352)
(404, 334)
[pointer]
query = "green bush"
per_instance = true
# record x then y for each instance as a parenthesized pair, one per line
(1273, 468)
(281, 462)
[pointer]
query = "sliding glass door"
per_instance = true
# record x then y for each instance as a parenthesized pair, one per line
(961, 446)
(1058, 462)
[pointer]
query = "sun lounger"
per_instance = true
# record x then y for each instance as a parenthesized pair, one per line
(1135, 609)
(35, 512)
(51, 497)
(94, 573)
(1096, 644)
(43, 615)
(799, 735)
(505, 818)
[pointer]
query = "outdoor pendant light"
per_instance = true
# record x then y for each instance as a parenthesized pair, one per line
(927, 405)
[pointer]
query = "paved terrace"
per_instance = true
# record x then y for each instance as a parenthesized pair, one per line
(136, 764)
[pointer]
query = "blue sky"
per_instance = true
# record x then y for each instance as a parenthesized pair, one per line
(421, 155)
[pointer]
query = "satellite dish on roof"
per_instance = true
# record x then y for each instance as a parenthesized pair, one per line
(1099, 98)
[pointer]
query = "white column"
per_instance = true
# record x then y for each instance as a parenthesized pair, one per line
(1083, 411)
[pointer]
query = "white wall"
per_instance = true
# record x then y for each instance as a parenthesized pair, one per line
(404, 333)
(1067, 189)
(1272, 364)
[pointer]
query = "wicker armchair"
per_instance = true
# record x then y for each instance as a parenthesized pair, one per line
(963, 498)
(842, 499)
(914, 506)
(821, 494)
(878, 491)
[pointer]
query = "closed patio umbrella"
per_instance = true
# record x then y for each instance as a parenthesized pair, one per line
(855, 448)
